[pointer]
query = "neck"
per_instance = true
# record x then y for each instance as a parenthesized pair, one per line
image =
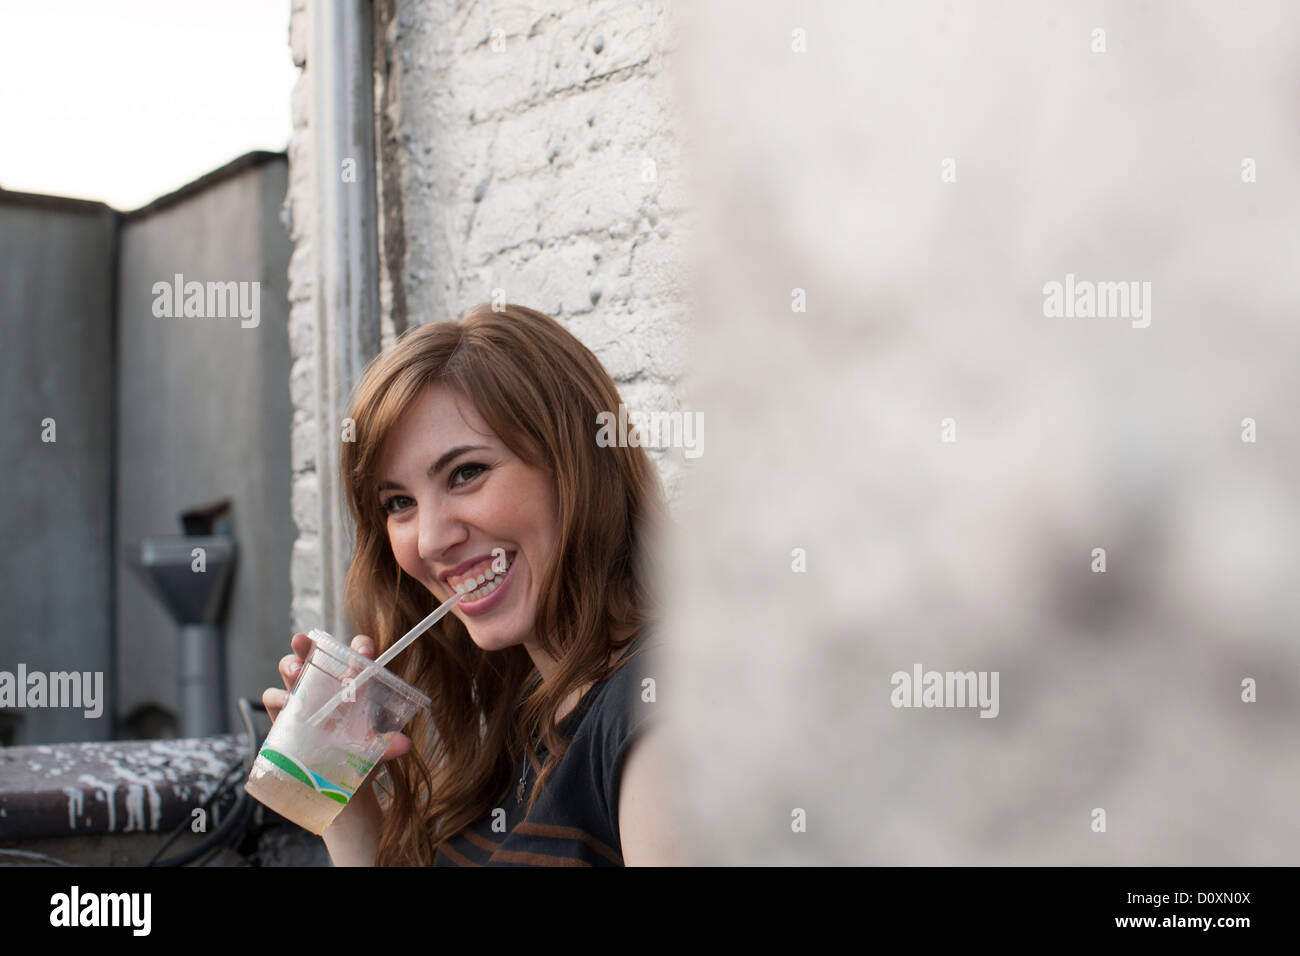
(547, 667)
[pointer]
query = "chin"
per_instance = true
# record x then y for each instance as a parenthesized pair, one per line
(491, 638)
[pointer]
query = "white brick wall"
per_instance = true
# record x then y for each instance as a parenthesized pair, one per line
(305, 573)
(521, 168)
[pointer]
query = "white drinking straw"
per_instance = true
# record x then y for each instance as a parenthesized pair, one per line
(383, 659)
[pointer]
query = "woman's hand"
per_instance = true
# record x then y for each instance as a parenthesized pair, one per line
(291, 665)
(353, 838)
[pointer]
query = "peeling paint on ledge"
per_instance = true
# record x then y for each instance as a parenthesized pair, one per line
(132, 786)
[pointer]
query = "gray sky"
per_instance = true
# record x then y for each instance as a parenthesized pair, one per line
(125, 101)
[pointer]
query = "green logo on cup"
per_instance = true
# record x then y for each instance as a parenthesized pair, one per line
(299, 772)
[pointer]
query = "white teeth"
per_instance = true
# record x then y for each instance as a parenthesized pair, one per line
(479, 593)
(469, 586)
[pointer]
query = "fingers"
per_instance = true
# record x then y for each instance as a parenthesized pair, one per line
(274, 700)
(398, 745)
(290, 667)
(291, 664)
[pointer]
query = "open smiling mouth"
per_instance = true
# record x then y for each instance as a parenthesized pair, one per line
(484, 589)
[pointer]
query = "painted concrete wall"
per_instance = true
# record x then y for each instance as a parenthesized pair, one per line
(204, 414)
(56, 280)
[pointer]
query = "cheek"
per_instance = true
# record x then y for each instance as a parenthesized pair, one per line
(403, 542)
(534, 506)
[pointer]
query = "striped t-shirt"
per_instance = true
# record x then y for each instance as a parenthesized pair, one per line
(575, 820)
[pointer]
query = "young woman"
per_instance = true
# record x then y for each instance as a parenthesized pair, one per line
(476, 467)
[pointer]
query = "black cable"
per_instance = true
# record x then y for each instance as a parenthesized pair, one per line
(206, 806)
(236, 821)
(238, 815)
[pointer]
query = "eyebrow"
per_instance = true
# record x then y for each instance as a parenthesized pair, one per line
(443, 461)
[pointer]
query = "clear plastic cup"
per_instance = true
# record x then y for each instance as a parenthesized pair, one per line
(307, 773)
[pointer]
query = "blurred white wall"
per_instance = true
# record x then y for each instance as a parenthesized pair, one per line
(822, 171)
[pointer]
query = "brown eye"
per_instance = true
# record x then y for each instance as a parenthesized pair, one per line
(387, 505)
(470, 465)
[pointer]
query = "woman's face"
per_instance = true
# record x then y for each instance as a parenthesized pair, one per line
(481, 505)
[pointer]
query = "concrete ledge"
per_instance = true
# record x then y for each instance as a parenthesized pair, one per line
(277, 845)
(143, 786)
(118, 849)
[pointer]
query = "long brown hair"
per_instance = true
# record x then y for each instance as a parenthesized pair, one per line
(539, 389)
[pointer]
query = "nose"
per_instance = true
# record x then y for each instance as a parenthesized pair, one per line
(437, 531)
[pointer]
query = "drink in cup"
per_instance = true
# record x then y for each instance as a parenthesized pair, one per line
(337, 723)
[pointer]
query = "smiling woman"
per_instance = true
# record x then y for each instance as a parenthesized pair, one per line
(476, 469)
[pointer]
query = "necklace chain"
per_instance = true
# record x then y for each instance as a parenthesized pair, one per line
(523, 777)
(534, 681)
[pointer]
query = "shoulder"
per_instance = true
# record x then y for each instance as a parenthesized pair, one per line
(646, 823)
(627, 697)
(624, 708)
(640, 798)
(634, 669)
